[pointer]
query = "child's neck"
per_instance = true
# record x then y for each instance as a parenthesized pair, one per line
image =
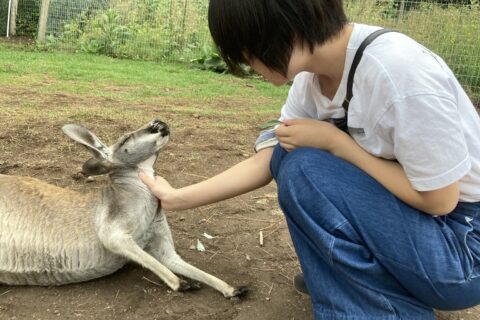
(328, 60)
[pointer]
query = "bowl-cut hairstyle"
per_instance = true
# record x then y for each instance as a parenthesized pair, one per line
(267, 29)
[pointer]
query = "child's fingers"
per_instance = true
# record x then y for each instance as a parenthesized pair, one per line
(150, 182)
(292, 122)
(282, 131)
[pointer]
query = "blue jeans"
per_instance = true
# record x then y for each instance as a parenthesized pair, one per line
(364, 253)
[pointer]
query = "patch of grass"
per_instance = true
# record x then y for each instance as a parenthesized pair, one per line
(62, 84)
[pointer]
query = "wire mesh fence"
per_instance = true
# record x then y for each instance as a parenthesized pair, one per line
(449, 28)
(166, 30)
(176, 30)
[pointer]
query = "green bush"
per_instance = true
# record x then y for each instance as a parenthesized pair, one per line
(27, 17)
(210, 60)
(106, 36)
(146, 29)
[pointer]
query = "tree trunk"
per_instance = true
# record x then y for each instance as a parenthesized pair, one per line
(42, 23)
(13, 18)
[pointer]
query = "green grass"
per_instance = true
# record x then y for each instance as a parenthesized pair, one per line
(164, 30)
(137, 82)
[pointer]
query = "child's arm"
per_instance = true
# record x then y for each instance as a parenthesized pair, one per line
(320, 134)
(392, 176)
(246, 176)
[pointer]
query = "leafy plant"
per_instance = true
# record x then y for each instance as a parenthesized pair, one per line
(210, 60)
(27, 17)
(107, 36)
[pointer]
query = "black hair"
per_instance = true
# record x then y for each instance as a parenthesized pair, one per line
(268, 29)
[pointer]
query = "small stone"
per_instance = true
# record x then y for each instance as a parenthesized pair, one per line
(262, 202)
(78, 176)
(276, 212)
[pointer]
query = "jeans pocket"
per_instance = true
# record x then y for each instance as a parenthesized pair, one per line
(466, 229)
(348, 249)
(352, 258)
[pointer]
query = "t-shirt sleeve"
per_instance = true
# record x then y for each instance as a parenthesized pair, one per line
(299, 104)
(429, 142)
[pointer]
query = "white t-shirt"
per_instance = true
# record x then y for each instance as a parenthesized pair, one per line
(407, 105)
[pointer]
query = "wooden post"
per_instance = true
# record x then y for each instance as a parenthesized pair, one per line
(42, 23)
(402, 10)
(13, 17)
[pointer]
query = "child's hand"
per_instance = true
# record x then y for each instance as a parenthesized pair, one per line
(297, 133)
(162, 190)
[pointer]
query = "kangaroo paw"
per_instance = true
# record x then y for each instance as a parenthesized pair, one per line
(239, 292)
(189, 285)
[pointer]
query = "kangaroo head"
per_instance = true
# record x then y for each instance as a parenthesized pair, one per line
(132, 150)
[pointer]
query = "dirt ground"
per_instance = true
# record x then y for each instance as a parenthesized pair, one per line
(36, 147)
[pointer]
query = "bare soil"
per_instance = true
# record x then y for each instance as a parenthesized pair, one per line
(32, 144)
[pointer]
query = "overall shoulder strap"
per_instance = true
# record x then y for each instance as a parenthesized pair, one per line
(356, 62)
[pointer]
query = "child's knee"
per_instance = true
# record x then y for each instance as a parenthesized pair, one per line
(301, 161)
(276, 162)
(301, 168)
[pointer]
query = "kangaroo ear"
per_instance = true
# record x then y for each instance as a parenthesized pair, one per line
(83, 136)
(96, 167)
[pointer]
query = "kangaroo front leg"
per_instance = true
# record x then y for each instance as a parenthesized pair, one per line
(179, 266)
(161, 247)
(125, 246)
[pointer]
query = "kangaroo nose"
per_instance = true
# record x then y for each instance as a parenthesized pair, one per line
(160, 126)
(165, 131)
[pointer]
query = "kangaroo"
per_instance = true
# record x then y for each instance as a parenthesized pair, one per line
(55, 236)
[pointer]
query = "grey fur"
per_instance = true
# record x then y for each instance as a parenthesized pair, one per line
(54, 236)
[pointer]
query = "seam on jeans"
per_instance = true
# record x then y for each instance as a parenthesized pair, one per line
(330, 230)
(340, 225)
(405, 267)
(386, 303)
(468, 276)
(336, 316)
(473, 277)
(330, 251)
(423, 276)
